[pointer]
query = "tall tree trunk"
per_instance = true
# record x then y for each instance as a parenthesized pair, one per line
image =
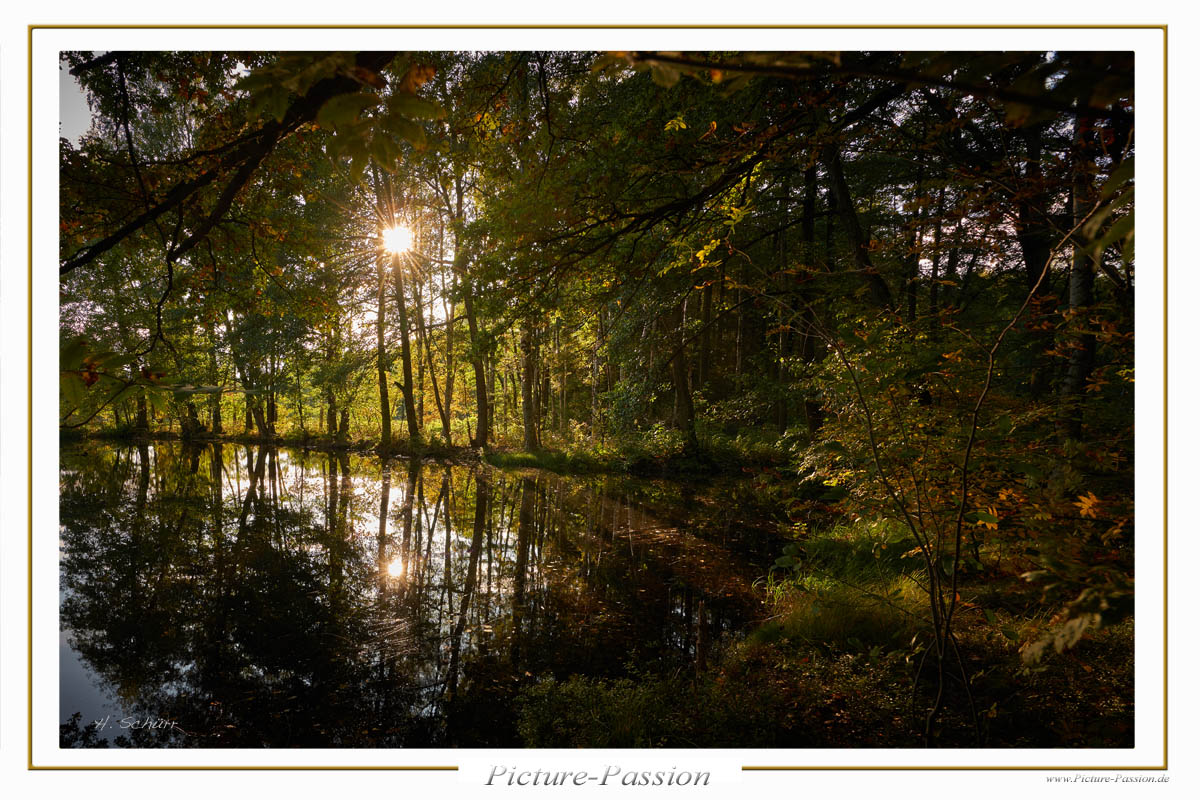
(703, 366)
(740, 337)
(859, 241)
(684, 414)
(528, 376)
(597, 343)
(260, 420)
(142, 425)
(410, 407)
(451, 369)
(423, 343)
(191, 426)
(489, 398)
(912, 260)
(563, 422)
(385, 406)
(482, 414)
(1035, 234)
(330, 414)
(482, 407)
(936, 257)
(810, 343)
(545, 397)
(1079, 290)
(214, 377)
(272, 415)
(782, 378)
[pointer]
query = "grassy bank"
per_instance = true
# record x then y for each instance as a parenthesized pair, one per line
(660, 452)
(401, 448)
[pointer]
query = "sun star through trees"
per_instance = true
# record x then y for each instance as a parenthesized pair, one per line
(397, 239)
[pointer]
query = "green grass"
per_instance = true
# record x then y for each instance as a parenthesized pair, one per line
(851, 588)
(841, 619)
(566, 463)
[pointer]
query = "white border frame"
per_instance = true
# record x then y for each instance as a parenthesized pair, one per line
(725, 765)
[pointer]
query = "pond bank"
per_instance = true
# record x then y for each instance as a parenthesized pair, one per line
(703, 463)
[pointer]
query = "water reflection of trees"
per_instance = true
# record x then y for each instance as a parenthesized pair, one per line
(258, 596)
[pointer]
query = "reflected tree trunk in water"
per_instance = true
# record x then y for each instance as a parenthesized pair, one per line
(482, 498)
(406, 518)
(425, 561)
(524, 535)
(143, 478)
(381, 546)
(192, 454)
(339, 543)
(448, 548)
(217, 473)
(254, 469)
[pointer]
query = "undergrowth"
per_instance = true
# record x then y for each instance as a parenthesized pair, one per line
(841, 662)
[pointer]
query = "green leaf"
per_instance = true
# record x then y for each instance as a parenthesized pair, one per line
(71, 356)
(259, 80)
(1032, 470)
(410, 131)
(345, 108)
(664, 75)
(114, 361)
(1120, 229)
(413, 107)
(385, 151)
(156, 401)
(1120, 175)
(358, 166)
(276, 104)
(72, 388)
(1096, 221)
(834, 446)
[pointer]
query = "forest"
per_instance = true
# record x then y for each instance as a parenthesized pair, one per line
(627, 399)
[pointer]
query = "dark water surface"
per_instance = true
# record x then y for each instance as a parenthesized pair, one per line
(242, 596)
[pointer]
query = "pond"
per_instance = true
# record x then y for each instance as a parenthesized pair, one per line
(252, 596)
